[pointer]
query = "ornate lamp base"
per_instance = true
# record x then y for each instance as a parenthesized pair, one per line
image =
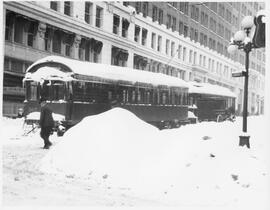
(244, 141)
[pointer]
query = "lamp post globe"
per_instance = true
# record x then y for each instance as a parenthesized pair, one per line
(247, 22)
(239, 36)
(247, 40)
(232, 48)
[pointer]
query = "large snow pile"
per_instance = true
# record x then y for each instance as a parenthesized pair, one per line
(201, 161)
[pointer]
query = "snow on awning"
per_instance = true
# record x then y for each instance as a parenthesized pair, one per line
(109, 72)
(48, 73)
(206, 88)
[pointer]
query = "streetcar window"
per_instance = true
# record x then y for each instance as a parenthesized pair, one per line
(88, 91)
(78, 91)
(164, 98)
(158, 97)
(31, 91)
(124, 96)
(173, 98)
(139, 97)
(185, 98)
(133, 96)
(109, 95)
(127, 96)
(181, 98)
(147, 97)
(58, 90)
(45, 90)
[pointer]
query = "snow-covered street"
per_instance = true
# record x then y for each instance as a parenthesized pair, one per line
(115, 159)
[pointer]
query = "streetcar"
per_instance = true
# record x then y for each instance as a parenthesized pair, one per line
(211, 102)
(75, 89)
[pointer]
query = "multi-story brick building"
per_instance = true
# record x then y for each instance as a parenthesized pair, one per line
(188, 40)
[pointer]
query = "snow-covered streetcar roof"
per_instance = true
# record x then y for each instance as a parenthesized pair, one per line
(103, 71)
(206, 88)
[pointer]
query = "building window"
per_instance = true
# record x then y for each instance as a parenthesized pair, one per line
(173, 24)
(201, 38)
(179, 51)
(140, 62)
(116, 23)
(30, 34)
(137, 33)
(191, 34)
(213, 25)
(154, 14)
(99, 12)
(54, 5)
(185, 30)
(125, 26)
(67, 8)
(159, 43)
(169, 21)
(184, 54)
(82, 49)
(9, 27)
(186, 8)
(172, 49)
(56, 44)
(214, 45)
(192, 14)
(200, 61)
(205, 40)
(195, 58)
(138, 7)
(182, 6)
(181, 27)
(209, 64)
(190, 56)
(67, 42)
(17, 66)
(87, 12)
(228, 16)
(19, 30)
(196, 35)
(160, 16)
(144, 36)
(153, 41)
(47, 39)
(125, 3)
(167, 46)
(145, 9)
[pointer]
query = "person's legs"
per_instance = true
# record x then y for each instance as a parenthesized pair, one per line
(45, 133)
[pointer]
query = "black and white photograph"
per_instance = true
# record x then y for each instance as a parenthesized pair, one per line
(135, 104)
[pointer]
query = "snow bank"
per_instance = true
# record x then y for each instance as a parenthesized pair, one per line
(201, 161)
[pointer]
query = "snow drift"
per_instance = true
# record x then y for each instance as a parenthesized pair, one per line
(201, 161)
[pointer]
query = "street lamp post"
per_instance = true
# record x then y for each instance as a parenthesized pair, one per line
(243, 41)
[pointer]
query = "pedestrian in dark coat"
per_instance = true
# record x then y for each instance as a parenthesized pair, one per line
(46, 123)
